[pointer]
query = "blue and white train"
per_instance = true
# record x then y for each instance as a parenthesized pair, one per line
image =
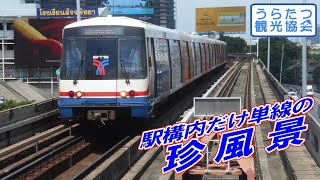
(115, 64)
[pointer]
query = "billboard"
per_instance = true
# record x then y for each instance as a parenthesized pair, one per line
(38, 42)
(137, 9)
(66, 12)
(226, 19)
(125, 7)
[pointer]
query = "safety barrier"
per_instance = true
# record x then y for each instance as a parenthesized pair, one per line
(312, 135)
(274, 81)
(19, 116)
(240, 55)
(317, 95)
(280, 93)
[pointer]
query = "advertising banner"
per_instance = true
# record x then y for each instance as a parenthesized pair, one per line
(125, 7)
(66, 12)
(226, 19)
(136, 9)
(38, 42)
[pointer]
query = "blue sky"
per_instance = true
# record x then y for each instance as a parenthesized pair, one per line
(185, 10)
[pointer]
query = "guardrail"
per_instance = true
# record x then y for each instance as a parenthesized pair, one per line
(274, 81)
(19, 116)
(240, 55)
(312, 135)
(280, 93)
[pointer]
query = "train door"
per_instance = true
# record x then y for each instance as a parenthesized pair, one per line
(151, 67)
(101, 69)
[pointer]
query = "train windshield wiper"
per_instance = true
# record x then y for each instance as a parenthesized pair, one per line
(124, 70)
(75, 81)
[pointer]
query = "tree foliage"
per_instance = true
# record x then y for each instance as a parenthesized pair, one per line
(12, 104)
(235, 44)
(291, 72)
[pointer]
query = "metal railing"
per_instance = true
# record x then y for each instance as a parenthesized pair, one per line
(22, 115)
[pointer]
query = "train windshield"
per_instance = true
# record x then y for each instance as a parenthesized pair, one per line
(133, 59)
(103, 59)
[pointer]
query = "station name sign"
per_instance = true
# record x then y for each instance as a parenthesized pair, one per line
(290, 20)
(66, 12)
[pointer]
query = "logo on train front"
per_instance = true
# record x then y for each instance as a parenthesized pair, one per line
(100, 62)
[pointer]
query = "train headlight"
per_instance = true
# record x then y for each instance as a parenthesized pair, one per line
(123, 94)
(79, 94)
(71, 94)
(132, 93)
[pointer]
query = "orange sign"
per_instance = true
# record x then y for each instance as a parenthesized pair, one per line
(226, 19)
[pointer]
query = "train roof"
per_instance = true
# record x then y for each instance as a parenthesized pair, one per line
(125, 21)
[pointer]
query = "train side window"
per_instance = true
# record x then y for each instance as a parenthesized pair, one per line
(191, 55)
(175, 62)
(210, 56)
(213, 55)
(162, 65)
(207, 56)
(220, 53)
(184, 60)
(203, 58)
(198, 58)
(225, 52)
(217, 54)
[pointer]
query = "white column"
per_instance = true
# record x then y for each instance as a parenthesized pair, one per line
(268, 60)
(78, 11)
(258, 48)
(304, 64)
(2, 44)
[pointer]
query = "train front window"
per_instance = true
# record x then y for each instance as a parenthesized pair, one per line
(73, 51)
(133, 62)
(103, 59)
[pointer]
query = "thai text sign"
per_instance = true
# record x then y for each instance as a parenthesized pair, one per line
(66, 12)
(296, 20)
(227, 19)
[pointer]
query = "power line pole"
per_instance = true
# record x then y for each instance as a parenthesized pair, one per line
(304, 64)
(268, 63)
(258, 48)
(281, 63)
(268, 60)
(78, 11)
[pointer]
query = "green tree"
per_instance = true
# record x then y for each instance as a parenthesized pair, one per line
(235, 44)
(13, 103)
(291, 74)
